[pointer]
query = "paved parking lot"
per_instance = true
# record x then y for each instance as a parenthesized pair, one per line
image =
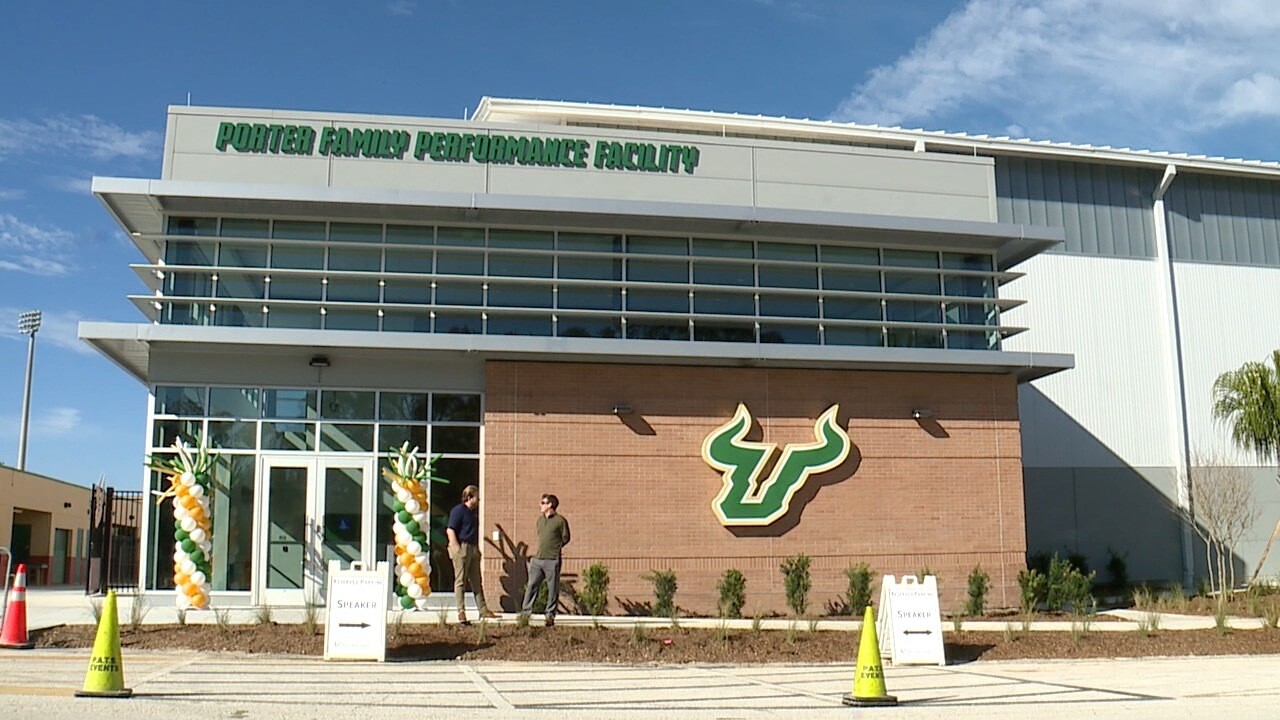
(39, 683)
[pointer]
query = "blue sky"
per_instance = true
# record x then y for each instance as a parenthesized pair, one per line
(87, 83)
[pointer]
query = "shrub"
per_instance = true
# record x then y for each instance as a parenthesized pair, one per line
(1117, 569)
(595, 589)
(979, 583)
(733, 593)
(858, 594)
(1068, 585)
(1032, 584)
(664, 592)
(795, 580)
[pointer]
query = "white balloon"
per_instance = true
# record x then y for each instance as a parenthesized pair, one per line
(412, 505)
(414, 591)
(178, 553)
(197, 577)
(206, 547)
(421, 603)
(179, 512)
(402, 537)
(406, 579)
(188, 567)
(189, 524)
(184, 602)
(199, 536)
(420, 518)
(403, 495)
(197, 491)
(414, 547)
(187, 479)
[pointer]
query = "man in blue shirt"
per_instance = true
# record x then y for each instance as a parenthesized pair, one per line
(464, 550)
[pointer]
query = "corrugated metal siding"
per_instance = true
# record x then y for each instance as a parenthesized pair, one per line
(1104, 209)
(1224, 220)
(1113, 408)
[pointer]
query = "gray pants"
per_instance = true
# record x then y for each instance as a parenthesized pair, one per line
(541, 570)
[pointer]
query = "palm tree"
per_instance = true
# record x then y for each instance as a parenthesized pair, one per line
(1248, 401)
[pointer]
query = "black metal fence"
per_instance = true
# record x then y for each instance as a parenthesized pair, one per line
(115, 539)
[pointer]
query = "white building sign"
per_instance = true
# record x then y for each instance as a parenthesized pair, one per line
(909, 624)
(356, 623)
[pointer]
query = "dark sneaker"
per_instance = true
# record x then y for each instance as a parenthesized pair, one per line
(462, 619)
(551, 622)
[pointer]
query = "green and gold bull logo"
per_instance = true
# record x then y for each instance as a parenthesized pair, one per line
(743, 500)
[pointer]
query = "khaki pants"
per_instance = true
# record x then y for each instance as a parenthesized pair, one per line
(466, 571)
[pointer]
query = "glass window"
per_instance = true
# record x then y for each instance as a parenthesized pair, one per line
(911, 258)
(448, 407)
(518, 325)
(521, 239)
(238, 227)
(457, 473)
(393, 436)
(293, 287)
(460, 237)
(650, 330)
(193, 226)
(459, 293)
(160, 534)
(519, 265)
(968, 340)
(298, 230)
(236, 285)
(179, 400)
(411, 234)
(851, 280)
(789, 305)
(657, 245)
(288, 436)
(583, 242)
(590, 268)
(458, 323)
(347, 404)
(233, 434)
(850, 255)
(346, 437)
(242, 255)
(350, 290)
(788, 277)
(409, 291)
(717, 331)
(657, 300)
(723, 248)
(721, 303)
(289, 404)
(459, 263)
(909, 311)
(588, 298)
(302, 257)
(850, 308)
(521, 296)
(237, 315)
(668, 271)
(363, 259)
(708, 273)
(602, 327)
(167, 432)
(911, 337)
(408, 261)
(913, 283)
(972, 314)
(405, 407)
(233, 481)
(450, 439)
(184, 314)
(966, 261)
(402, 321)
(787, 251)
(188, 253)
(789, 334)
(344, 319)
(186, 284)
(355, 232)
(868, 336)
(969, 285)
(234, 402)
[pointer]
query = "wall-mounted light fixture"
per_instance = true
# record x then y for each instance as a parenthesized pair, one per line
(622, 410)
(921, 414)
(66, 505)
(319, 361)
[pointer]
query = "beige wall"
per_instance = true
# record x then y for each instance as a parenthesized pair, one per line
(43, 503)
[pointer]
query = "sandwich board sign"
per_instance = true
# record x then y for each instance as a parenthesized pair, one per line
(909, 625)
(355, 626)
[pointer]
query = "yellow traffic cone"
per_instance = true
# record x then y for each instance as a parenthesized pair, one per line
(106, 669)
(868, 679)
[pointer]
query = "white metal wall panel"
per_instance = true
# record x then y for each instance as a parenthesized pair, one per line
(1113, 409)
(1230, 315)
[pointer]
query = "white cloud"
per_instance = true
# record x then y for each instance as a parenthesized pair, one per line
(11, 194)
(76, 185)
(1104, 71)
(76, 135)
(58, 328)
(56, 421)
(34, 249)
(402, 8)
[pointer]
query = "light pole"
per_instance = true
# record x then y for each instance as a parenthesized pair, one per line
(29, 325)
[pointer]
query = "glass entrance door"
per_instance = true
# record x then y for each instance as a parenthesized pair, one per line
(314, 510)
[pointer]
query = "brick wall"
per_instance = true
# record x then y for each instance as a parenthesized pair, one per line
(945, 494)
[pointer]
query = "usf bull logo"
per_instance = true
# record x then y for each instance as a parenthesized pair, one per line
(744, 500)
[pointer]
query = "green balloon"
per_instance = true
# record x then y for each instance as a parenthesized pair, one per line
(197, 555)
(177, 525)
(411, 527)
(188, 545)
(406, 602)
(404, 517)
(180, 535)
(397, 506)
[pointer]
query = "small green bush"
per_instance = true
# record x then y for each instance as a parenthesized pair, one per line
(595, 589)
(1068, 586)
(1118, 569)
(795, 580)
(733, 593)
(857, 596)
(1032, 584)
(664, 592)
(979, 583)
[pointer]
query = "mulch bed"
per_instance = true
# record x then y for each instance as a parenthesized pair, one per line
(667, 645)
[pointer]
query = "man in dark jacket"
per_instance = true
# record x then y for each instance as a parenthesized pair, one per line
(553, 535)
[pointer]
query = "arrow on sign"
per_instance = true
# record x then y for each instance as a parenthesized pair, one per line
(359, 625)
(917, 632)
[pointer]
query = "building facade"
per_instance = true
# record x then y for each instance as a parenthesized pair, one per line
(573, 298)
(44, 524)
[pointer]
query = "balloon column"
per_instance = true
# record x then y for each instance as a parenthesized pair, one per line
(189, 472)
(410, 478)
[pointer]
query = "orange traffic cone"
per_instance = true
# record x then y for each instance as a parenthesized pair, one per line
(868, 679)
(14, 635)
